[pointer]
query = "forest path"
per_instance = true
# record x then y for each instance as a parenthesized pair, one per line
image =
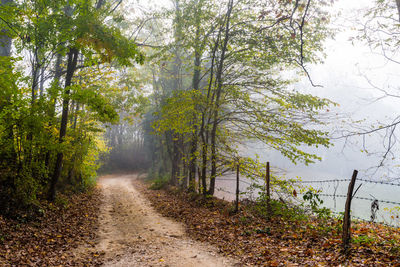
(132, 233)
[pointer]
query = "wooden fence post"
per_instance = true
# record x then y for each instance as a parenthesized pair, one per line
(346, 235)
(267, 181)
(237, 188)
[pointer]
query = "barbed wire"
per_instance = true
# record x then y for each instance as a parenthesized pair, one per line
(345, 180)
(328, 181)
(323, 194)
(340, 213)
(233, 179)
(321, 181)
(368, 221)
(335, 195)
(380, 200)
(225, 191)
(377, 182)
(355, 197)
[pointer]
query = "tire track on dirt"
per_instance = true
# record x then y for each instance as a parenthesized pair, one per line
(132, 233)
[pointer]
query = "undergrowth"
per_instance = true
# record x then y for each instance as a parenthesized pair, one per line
(158, 182)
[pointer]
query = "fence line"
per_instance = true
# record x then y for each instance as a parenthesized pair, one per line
(321, 194)
(365, 220)
(225, 191)
(232, 179)
(329, 181)
(378, 182)
(349, 197)
(362, 198)
(345, 180)
(322, 181)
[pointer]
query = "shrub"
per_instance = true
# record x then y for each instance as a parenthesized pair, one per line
(159, 182)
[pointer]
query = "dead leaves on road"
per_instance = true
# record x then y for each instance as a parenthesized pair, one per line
(278, 242)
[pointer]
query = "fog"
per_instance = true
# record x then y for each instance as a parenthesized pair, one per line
(348, 75)
(353, 76)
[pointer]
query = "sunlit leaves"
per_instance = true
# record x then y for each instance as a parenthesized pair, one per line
(177, 113)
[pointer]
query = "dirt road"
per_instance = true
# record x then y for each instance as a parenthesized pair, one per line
(132, 233)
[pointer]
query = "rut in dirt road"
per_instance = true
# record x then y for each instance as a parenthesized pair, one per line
(133, 234)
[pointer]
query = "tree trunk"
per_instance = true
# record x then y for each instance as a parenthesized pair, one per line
(52, 111)
(204, 132)
(5, 41)
(217, 100)
(204, 166)
(99, 4)
(398, 7)
(192, 161)
(42, 80)
(72, 61)
(194, 141)
(5, 51)
(36, 67)
(198, 51)
(175, 161)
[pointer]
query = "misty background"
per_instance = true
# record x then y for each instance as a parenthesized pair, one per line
(353, 76)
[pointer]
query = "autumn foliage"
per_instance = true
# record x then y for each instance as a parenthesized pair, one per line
(280, 241)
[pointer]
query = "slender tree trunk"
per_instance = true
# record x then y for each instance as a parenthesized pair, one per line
(36, 66)
(71, 172)
(99, 4)
(217, 100)
(192, 160)
(76, 116)
(42, 79)
(204, 165)
(182, 174)
(398, 7)
(175, 160)
(5, 41)
(119, 136)
(35, 76)
(5, 51)
(198, 50)
(52, 111)
(194, 141)
(204, 132)
(72, 61)
(177, 84)
(163, 158)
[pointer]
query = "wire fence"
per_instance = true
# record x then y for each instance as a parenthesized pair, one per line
(357, 218)
(347, 180)
(355, 197)
(373, 201)
(232, 179)
(327, 181)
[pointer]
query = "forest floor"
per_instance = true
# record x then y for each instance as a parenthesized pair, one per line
(279, 241)
(113, 225)
(132, 233)
(64, 233)
(121, 223)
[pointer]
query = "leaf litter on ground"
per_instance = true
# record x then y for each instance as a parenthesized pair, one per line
(64, 236)
(256, 241)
